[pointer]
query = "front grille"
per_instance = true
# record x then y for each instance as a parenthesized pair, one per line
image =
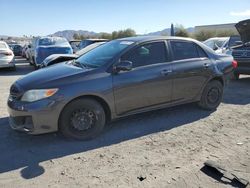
(241, 54)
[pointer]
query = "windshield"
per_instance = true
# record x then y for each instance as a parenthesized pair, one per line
(52, 41)
(88, 48)
(103, 54)
(2, 45)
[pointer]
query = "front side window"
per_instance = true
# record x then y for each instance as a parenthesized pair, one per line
(185, 50)
(147, 54)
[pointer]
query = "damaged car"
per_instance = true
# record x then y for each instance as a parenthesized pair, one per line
(58, 58)
(47, 46)
(241, 53)
(117, 79)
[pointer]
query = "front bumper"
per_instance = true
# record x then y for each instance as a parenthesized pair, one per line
(34, 118)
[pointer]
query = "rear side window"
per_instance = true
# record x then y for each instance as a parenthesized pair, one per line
(2, 45)
(147, 54)
(186, 50)
(201, 52)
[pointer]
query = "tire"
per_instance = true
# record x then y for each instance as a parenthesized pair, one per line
(90, 112)
(36, 67)
(236, 76)
(13, 68)
(211, 95)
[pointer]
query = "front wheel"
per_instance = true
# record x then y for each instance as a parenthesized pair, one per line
(82, 119)
(212, 95)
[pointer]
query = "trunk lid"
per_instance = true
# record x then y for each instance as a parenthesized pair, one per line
(243, 28)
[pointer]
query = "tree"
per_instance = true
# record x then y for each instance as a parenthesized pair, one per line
(105, 36)
(181, 31)
(203, 35)
(76, 36)
(123, 33)
(206, 34)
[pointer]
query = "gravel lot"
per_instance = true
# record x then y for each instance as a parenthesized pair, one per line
(164, 148)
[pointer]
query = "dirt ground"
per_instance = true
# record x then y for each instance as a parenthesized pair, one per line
(164, 148)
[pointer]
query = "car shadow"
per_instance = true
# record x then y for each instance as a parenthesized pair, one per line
(26, 152)
(22, 68)
(238, 92)
(213, 173)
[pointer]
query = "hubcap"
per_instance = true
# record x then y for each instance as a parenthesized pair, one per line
(82, 119)
(213, 95)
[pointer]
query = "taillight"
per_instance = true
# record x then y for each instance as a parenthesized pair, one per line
(6, 53)
(235, 64)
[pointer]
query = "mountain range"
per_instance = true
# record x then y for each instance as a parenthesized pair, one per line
(68, 34)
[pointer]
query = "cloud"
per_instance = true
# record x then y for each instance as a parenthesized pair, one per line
(240, 13)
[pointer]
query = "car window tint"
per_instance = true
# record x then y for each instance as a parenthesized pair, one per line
(147, 54)
(201, 52)
(184, 50)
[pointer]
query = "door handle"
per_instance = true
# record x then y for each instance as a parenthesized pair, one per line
(166, 72)
(206, 65)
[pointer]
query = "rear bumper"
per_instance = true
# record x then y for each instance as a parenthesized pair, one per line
(5, 63)
(243, 66)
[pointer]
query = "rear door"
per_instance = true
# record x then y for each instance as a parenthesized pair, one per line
(191, 69)
(149, 82)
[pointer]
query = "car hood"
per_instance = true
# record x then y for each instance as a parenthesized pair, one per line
(50, 77)
(243, 28)
(55, 56)
(59, 57)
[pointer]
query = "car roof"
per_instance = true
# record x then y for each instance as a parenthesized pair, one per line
(150, 38)
(95, 39)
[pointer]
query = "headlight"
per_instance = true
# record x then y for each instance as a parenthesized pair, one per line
(37, 94)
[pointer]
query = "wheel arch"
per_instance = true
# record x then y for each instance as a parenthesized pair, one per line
(99, 99)
(218, 78)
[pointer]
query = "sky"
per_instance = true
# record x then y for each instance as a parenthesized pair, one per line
(44, 17)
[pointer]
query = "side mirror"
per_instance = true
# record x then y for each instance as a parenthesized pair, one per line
(123, 66)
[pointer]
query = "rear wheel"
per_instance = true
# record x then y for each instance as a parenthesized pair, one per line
(236, 76)
(212, 95)
(82, 119)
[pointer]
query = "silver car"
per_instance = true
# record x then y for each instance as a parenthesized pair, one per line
(6, 56)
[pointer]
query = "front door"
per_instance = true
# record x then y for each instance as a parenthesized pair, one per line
(148, 83)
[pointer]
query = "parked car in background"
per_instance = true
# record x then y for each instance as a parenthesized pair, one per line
(241, 53)
(25, 48)
(6, 56)
(216, 42)
(75, 45)
(31, 51)
(119, 78)
(232, 41)
(17, 49)
(47, 46)
(58, 58)
(87, 42)
(11, 45)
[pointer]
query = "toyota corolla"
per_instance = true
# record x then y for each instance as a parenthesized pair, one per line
(119, 78)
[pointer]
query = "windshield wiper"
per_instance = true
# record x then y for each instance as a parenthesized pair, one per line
(78, 64)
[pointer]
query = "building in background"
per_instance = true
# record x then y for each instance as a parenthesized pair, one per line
(217, 27)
